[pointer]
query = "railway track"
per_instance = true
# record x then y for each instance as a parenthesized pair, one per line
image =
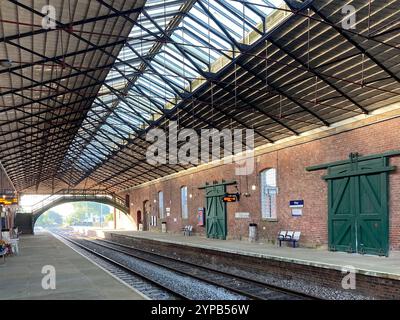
(251, 289)
(148, 287)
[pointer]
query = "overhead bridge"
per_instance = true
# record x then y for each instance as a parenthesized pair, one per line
(27, 219)
(76, 195)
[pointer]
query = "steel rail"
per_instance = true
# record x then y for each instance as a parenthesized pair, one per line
(270, 287)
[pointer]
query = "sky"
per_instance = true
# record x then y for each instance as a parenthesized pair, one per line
(29, 200)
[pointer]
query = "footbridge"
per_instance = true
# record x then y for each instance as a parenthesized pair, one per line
(76, 195)
(26, 219)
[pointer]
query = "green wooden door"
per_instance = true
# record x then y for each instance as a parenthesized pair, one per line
(341, 216)
(216, 224)
(371, 204)
(358, 207)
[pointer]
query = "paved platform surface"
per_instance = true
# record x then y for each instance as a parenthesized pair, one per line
(385, 267)
(76, 277)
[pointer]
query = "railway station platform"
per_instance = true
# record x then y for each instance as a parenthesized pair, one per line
(76, 277)
(376, 277)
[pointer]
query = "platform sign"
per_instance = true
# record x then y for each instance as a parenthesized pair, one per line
(230, 197)
(8, 201)
(296, 203)
(297, 212)
(242, 215)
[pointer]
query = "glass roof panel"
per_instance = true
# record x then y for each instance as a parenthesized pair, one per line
(160, 67)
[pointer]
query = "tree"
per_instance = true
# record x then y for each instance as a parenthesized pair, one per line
(109, 217)
(87, 212)
(50, 218)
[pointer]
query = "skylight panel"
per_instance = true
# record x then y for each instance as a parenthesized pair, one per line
(165, 70)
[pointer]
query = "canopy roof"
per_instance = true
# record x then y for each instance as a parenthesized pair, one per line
(78, 100)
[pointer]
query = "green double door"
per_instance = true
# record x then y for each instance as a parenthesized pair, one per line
(358, 218)
(216, 224)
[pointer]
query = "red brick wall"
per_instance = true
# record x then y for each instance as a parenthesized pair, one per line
(294, 182)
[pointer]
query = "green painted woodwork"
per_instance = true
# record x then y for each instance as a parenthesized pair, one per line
(369, 157)
(358, 214)
(216, 183)
(216, 221)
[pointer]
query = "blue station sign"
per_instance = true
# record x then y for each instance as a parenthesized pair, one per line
(296, 203)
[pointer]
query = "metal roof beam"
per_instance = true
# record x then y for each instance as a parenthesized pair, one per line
(71, 24)
(320, 76)
(54, 80)
(343, 33)
(210, 77)
(59, 59)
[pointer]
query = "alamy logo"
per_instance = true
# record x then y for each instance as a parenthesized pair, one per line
(349, 280)
(49, 280)
(49, 20)
(350, 18)
(188, 146)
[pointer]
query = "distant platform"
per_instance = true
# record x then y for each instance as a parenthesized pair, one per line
(377, 276)
(76, 277)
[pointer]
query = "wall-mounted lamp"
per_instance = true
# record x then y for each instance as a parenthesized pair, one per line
(190, 196)
(254, 187)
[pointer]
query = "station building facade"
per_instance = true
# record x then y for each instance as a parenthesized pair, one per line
(367, 209)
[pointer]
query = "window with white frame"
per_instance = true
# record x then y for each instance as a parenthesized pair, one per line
(269, 191)
(184, 203)
(161, 205)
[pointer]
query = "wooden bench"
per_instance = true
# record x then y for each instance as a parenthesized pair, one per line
(289, 236)
(187, 230)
